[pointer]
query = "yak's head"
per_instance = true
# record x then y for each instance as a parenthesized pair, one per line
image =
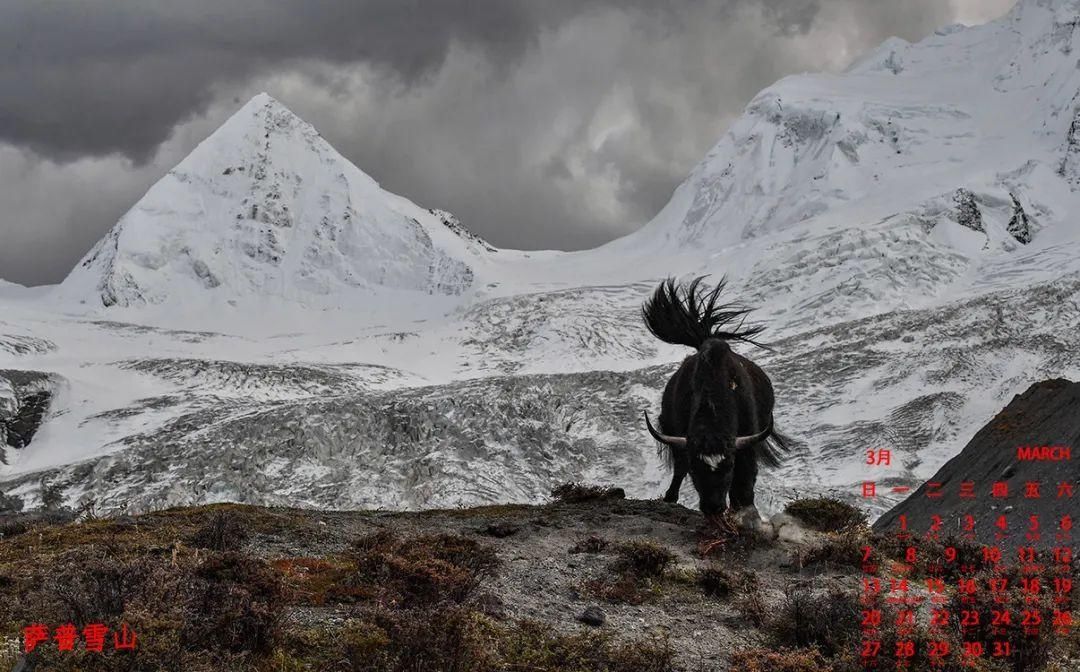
(711, 442)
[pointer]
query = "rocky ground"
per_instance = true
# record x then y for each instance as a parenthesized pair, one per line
(590, 582)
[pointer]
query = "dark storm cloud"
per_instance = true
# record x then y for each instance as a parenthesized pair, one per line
(96, 76)
(541, 123)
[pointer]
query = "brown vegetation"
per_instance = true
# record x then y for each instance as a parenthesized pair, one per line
(825, 514)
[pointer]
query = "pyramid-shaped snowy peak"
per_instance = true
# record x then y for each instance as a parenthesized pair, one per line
(265, 207)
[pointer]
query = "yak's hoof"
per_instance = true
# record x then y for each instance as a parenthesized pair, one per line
(671, 499)
(748, 518)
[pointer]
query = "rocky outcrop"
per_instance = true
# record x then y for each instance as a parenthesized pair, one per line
(967, 212)
(1046, 415)
(1070, 163)
(24, 401)
(1019, 226)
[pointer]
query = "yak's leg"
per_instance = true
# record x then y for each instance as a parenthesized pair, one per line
(680, 462)
(743, 479)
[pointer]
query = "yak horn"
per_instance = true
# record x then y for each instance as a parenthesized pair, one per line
(747, 441)
(679, 441)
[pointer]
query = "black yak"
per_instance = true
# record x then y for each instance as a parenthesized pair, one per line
(716, 416)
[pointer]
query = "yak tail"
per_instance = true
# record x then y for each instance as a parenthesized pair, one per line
(768, 451)
(687, 316)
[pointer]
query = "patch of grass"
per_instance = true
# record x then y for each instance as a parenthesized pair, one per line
(413, 601)
(842, 548)
(14, 523)
(148, 534)
(784, 660)
(421, 570)
(717, 582)
(626, 589)
(572, 493)
(536, 646)
(452, 638)
(395, 571)
(750, 602)
(825, 514)
(188, 612)
(829, 621)
(590, 544)
(636, 571)
(642, 558)
(320, 581)
(356, 643)
(932, 556)
(223, 532)
(1032, 644)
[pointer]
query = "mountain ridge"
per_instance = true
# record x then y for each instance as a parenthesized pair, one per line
(265, 206)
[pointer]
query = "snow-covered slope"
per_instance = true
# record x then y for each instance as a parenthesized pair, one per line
(265, 207)
(291, 333)
(926, 172)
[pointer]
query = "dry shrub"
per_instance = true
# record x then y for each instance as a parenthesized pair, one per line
(636, 571)
(320, 581)
(443, 638)
(825, 514)
(571, 493)
(627, 589)
(191, 613)
(223, 532)
(590, 544)
(829, 621)
(1031, 646)
(453, 638)
(717, 582)
(930, 556)
(14, 523)
(421, 570)
(536, 646)
(784, 660)
(750, 602)
(642, 558)
(235, 602)
(843, 548)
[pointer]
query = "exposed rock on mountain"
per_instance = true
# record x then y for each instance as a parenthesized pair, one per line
(1009, 450)
(967, 211)
(24, 401)
(1019, 226)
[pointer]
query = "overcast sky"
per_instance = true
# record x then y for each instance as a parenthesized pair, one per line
(540, 123)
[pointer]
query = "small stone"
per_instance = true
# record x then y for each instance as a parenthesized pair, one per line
(592, 616)
(501, 530)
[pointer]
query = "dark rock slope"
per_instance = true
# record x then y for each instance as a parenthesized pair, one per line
(24, 400)
(1047, 414)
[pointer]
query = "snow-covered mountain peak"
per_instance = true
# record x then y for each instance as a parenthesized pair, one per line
(265, 208)
(928, 169)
